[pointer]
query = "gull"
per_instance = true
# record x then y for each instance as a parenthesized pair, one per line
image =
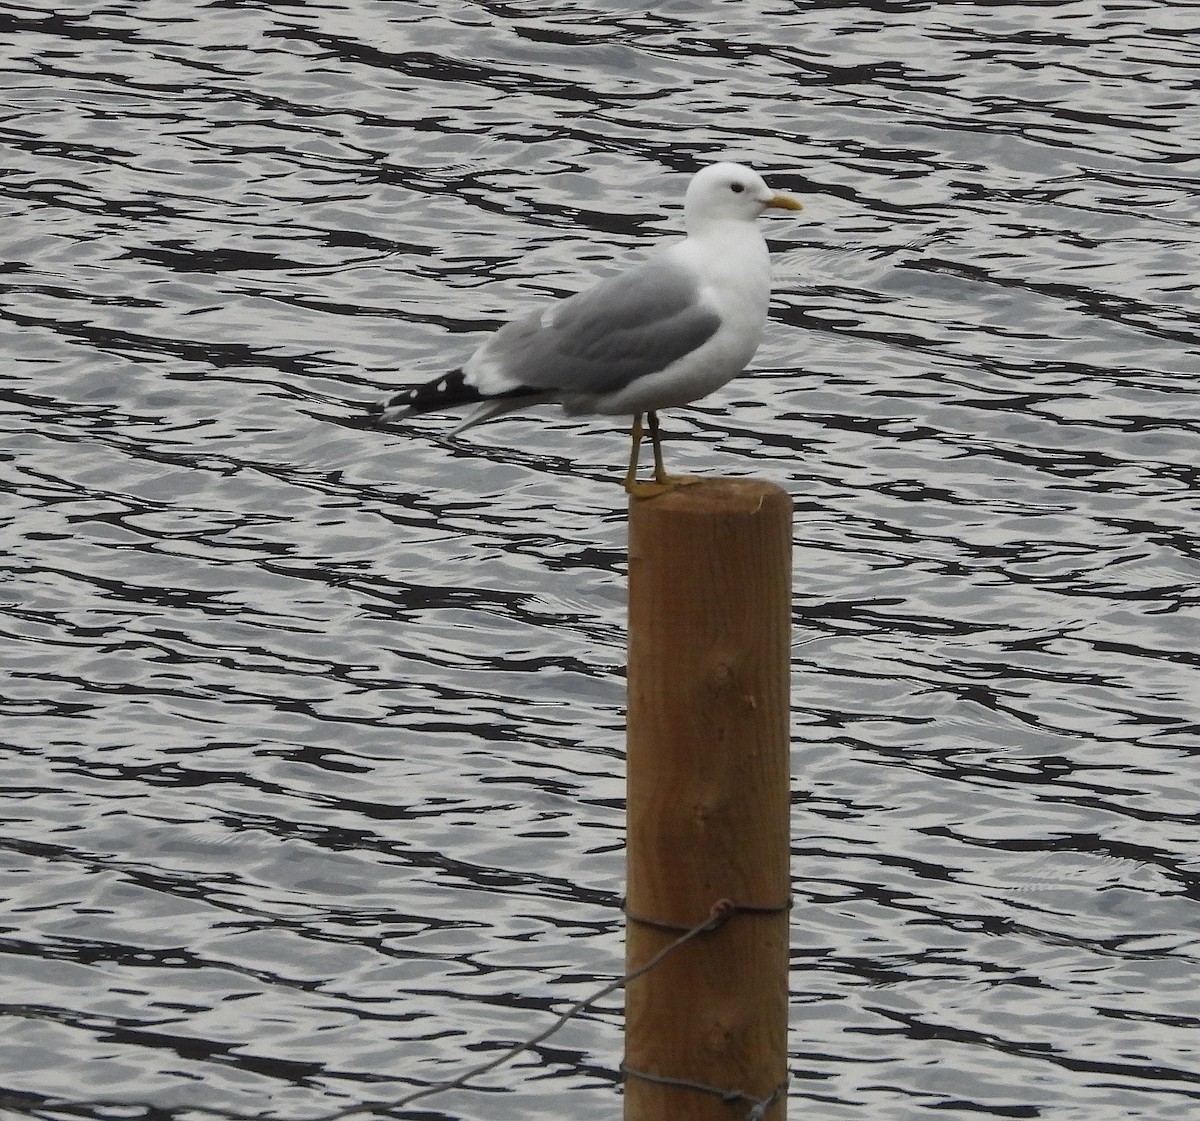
(662, 334)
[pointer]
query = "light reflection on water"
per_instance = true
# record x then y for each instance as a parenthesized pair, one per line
(313, 739)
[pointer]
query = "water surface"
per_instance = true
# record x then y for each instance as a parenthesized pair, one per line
(313, 734)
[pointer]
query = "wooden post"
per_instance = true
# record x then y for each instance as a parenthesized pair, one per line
(708, 797)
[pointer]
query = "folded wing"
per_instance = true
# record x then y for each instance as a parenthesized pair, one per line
(602, 339)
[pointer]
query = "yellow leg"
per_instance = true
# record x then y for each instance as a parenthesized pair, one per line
(662, 481)
(633, 487)
(636, 432)
(660, 472)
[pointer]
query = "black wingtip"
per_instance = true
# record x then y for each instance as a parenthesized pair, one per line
(449, 391)
(375, 414)
(444, 392)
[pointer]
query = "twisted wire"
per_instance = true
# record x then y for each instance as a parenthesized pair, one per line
(720, 912)
(758, 1106)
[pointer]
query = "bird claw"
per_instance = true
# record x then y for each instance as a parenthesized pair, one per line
(636, 488)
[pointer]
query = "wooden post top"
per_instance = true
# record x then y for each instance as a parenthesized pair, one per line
(716, 496)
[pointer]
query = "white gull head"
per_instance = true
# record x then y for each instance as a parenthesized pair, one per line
(729, 192)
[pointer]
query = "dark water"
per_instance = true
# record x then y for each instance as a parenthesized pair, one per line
(313, 735)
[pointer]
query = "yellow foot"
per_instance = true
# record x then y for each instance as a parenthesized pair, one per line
(637, 489)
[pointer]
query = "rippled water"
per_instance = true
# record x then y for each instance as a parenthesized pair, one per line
(313, 734)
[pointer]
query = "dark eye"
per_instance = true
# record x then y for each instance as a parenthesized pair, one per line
(736, 188)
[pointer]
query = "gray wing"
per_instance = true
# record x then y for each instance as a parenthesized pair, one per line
(606, 337)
